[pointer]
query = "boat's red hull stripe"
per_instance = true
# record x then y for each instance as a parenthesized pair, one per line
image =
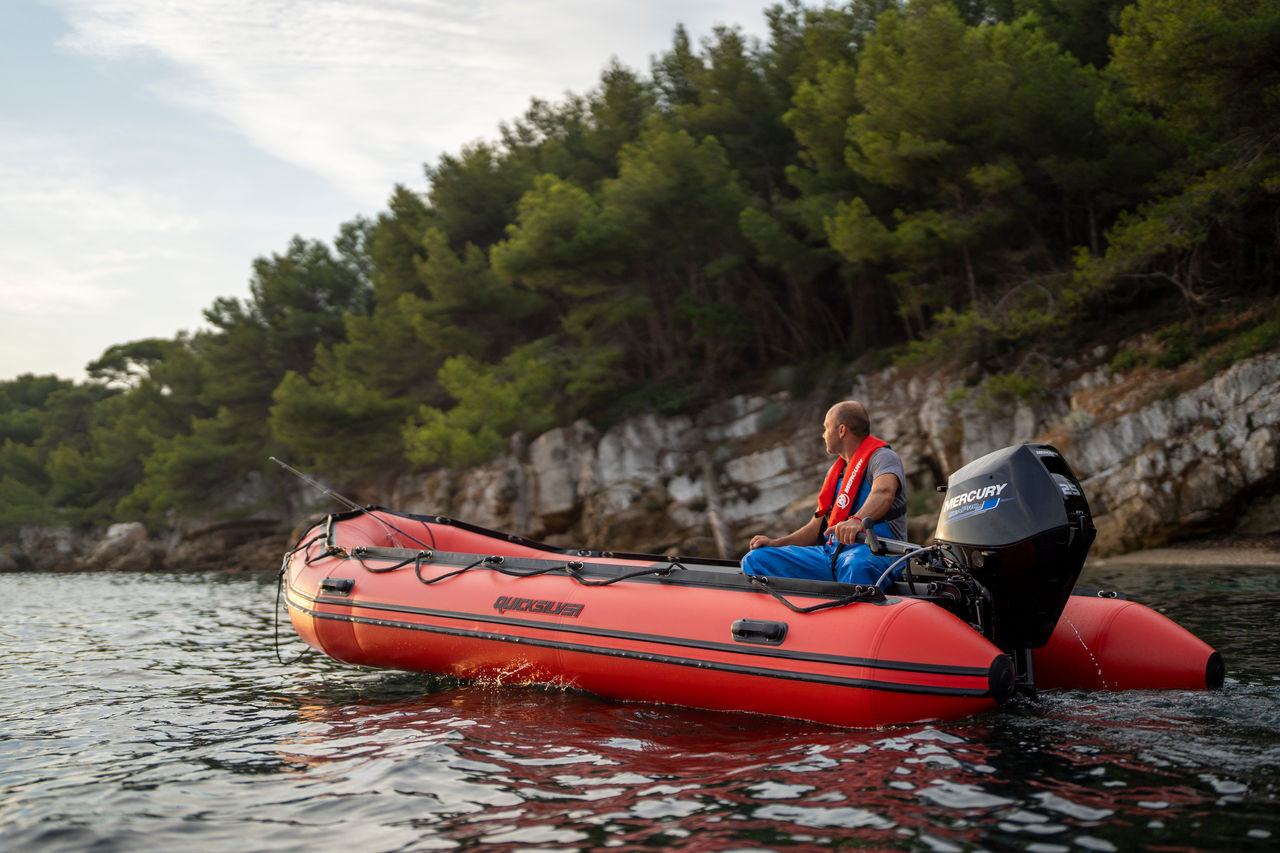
(732, 648)
(739, 669)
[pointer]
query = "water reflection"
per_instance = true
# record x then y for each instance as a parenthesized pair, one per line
(647, 775)
(151, 711)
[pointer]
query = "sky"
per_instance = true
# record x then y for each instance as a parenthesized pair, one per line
(150, 150)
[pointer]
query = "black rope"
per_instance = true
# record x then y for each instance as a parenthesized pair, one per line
(834, 556)
(417, 570)
(662, 572)
(284, 568)
(280, 576)
(532, 573)
(494, 562)
(303, 546)
(358, 554)
(860, 593)
(329, 551)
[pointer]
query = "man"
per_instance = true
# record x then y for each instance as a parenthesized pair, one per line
(865, 486)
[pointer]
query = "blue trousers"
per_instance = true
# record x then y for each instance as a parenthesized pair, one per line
(854, 563)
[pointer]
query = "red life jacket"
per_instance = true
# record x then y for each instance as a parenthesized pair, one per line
(841, 505)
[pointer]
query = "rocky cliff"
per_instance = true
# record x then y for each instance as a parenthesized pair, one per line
(1163, 455)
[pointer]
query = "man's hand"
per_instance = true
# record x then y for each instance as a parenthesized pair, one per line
(761, 542)
(845, 531)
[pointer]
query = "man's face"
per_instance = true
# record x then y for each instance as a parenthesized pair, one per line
(831, 434)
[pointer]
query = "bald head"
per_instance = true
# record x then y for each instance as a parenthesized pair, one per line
(853, 415)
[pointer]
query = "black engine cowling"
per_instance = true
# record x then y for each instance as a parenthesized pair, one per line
(1018, 522)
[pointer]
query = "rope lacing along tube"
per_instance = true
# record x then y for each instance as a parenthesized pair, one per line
(860, 593)
(495, 562)
(417, 569)
(359, 554)
(532, 573)
(662, 572)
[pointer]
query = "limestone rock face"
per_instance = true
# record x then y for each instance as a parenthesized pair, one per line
(125, 547)
(1185, 465)
(558, 461)
(235, 544)
(1156, 464)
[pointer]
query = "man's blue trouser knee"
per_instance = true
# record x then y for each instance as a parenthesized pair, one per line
(853, 563)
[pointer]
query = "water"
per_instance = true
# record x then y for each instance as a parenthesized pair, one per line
(150, 712)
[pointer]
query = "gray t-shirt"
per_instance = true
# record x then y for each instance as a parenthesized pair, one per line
(887, 461)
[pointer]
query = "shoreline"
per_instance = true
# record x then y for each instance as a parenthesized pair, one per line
(1253, 551)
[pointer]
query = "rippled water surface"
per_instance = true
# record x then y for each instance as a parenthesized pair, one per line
(150, 711)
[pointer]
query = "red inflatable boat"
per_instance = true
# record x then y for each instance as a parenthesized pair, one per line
(970, 622)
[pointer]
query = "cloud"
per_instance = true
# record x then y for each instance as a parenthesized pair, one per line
(166, 143)
(365, 93)
(72, 235)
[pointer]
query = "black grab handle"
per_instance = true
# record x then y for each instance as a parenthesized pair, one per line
(759, 631)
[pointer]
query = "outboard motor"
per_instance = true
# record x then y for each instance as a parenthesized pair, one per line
(1017, 521)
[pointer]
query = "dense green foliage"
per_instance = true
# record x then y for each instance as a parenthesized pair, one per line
(934, 180)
